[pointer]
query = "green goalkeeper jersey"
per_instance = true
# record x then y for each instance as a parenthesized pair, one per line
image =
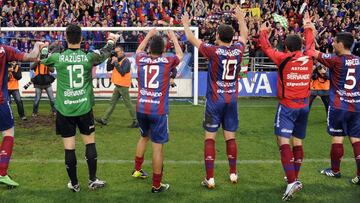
(74, 89)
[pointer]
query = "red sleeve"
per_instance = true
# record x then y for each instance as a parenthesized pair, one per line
(309, 42)
(207, 50)
(140, 55)
(328, 60)
(175, 63)
(176, 60)
(276, 56)
(13, 54)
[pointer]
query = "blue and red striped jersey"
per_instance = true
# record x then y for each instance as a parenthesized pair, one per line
(7, 54)
(223, 71)
(154, 82)
(344, 81)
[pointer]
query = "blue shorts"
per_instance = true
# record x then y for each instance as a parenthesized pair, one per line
(343, 123)
(154, 126)
(291, 122)
(6, 117)
(217, 113)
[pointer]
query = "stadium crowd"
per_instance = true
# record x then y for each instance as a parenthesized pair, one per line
(331, 16)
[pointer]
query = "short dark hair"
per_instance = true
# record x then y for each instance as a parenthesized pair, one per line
(346, 39)
(119, 47)
(293, 42)
(156, 45)
(226, 33)
(73, 34)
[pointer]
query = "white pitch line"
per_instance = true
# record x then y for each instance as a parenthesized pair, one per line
(181, 162)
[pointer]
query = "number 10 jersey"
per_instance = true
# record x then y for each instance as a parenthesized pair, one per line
(223, 71)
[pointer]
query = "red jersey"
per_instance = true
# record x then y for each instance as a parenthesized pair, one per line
(293, 77)
(7, 54)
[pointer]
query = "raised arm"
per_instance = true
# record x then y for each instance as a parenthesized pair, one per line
(105, 52)
(34, 54)
(266, 47)
(146, 40)
(240, 16)
(189, 35)
(309, 35)
(178, 50)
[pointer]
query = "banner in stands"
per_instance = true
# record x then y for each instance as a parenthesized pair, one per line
(260, 84)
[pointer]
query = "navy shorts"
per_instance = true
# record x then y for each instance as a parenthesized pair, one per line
(343, 123)
(154, 126)
(6, 117)
(291, 122)
(219, 113)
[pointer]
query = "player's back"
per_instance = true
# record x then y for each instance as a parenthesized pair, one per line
(154, 82)
(223, 71)
(344, 81)
(74, 94)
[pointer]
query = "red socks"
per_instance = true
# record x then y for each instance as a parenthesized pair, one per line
(287, 160)
(356, 148)
(336, 154)
(298, 153)
(138, 162)
(231, 151)
(156, 180)
(5, 154)
(209, 157)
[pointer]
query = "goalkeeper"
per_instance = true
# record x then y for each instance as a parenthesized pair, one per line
(74, 101)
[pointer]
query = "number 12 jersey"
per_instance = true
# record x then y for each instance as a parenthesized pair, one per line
(154, 82)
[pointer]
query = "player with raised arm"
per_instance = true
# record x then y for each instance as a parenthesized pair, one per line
(156, 72)
(75, 99)
(294, 74)
(8, 54)
(222, 91)
(344, 107)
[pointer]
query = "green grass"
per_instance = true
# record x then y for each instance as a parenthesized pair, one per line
(258, 182)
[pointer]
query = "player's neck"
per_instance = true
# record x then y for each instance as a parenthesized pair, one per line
(345, 52)
(224, 44)
(74, 46)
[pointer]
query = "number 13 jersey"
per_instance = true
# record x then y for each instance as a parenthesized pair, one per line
(154, 82)
(74, 89)
(223, 71)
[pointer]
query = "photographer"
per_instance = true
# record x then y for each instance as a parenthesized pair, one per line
(121, 77)
(320, 85)
(14, 75)
(42, 81)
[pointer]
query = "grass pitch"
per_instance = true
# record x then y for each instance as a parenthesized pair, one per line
(39, 167)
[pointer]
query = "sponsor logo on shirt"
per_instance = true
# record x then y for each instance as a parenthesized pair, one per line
(144, 92)
(303, 59)
(2, 50)
(296, 76)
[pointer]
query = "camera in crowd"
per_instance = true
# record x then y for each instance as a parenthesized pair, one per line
(27, 85)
